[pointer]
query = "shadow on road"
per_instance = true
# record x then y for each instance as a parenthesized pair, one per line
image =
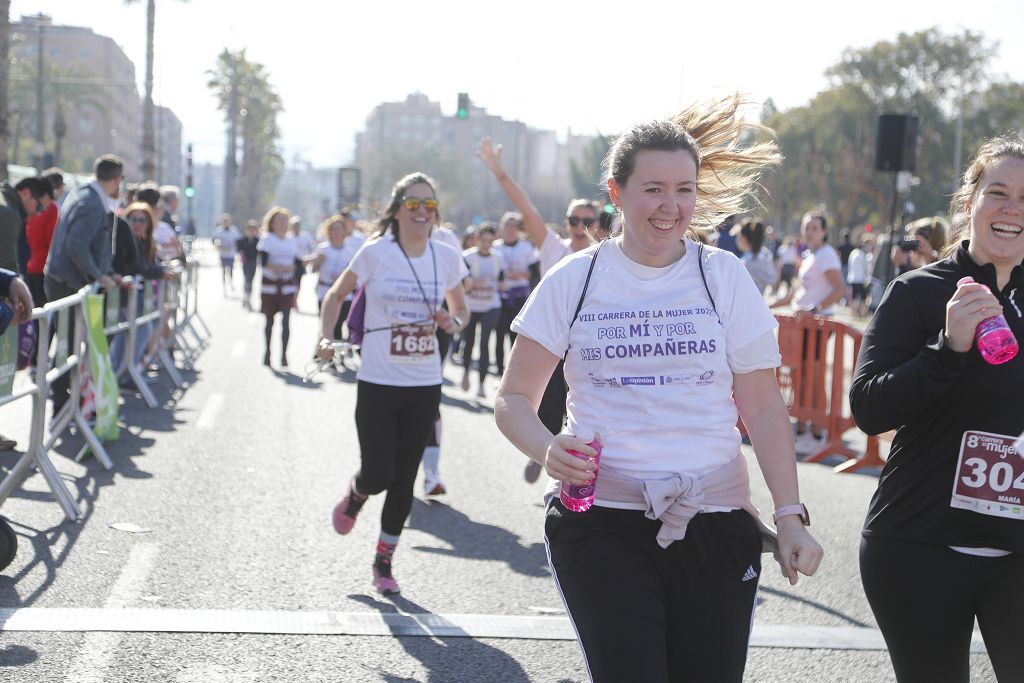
(17, 655)
(811, 603)
(476, 541)
(448, 659)
(469, 406)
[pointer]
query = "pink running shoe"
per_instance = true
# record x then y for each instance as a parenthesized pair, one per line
(383, 581)
(347, 510)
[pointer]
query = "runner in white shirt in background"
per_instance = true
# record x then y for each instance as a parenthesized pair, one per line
(517, 255)
(226, 240)
(580, 218)
(665, 347)
(305, 247)
(432, 483)
(280, 257)
(330, 260)
(486, 272)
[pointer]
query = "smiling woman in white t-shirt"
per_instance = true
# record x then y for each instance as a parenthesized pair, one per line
(406, 276)
(671, 344)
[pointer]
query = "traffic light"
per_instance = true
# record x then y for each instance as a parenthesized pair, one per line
(462, 113)
(190, 188)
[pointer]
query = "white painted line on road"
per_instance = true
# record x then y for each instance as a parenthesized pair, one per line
(98, 648)
(211, 410)
(325, 622)
(238, 349)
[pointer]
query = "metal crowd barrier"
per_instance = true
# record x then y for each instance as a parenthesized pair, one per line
(170, 306)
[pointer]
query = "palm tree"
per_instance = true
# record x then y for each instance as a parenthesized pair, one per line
(250, 106)
(148, 108)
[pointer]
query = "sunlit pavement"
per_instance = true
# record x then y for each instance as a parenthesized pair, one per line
(230, 485)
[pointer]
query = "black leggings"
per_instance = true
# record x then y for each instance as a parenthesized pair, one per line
(653, 614)
(509, 310)
(268, 329)
(486, 321)
(345, 306)
(925, 598)
(248, 273)
(393, 424)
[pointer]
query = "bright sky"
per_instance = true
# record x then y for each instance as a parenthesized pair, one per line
(555, 64)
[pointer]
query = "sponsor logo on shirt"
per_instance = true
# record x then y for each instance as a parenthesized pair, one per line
(603, 382)
(646, 381)
(675, 380)
(706, 378)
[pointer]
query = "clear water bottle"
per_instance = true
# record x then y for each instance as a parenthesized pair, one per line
(579, 498)
(996, 342)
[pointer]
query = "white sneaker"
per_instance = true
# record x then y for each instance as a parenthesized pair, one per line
(807, 443)
(433, 486)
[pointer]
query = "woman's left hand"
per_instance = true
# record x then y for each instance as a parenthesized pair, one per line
(798, 551)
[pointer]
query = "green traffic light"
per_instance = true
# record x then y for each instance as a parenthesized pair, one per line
(462, 114)
(190, 192)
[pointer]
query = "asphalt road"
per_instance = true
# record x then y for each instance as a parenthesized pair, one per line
(232, 481)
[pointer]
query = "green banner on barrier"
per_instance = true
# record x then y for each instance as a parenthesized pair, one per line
(113, 309)
(8, 359)
(148, 302)
(104, 381)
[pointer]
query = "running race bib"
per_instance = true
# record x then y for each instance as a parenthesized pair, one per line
(990, 476)
(412, 343)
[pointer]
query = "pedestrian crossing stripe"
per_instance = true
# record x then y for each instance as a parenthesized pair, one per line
(327, 622)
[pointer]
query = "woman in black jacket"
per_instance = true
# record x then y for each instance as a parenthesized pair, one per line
(943, 543)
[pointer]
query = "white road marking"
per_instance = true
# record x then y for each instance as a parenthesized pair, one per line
(238, 349)
(98, 648)
(211, 410)
(325, 622)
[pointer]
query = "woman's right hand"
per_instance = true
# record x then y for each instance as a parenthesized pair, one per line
(565, 466)
(490, 155)
(970, 305)
(324, 350)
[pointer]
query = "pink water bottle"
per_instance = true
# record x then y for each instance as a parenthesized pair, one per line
(580, 498)
(996, 342)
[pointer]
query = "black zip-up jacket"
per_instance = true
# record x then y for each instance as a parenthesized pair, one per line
(908, 379)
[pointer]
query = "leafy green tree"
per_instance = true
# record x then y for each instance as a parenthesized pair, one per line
(586, 175)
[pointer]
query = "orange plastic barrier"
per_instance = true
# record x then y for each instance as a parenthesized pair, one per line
(818, 357)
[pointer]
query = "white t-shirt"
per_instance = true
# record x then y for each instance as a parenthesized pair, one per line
(399, 346)
(485, 271)
(165, 236)
(227, 241)
(858, 268)
(280, 252)
(788, 255)
(815, 287)
(516, 258)
(336, 260)
(552, 250)
(649, 365)
(761, 268)
(306, 244)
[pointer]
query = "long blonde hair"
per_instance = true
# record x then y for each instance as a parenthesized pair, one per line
(991, 151)
(728, 166)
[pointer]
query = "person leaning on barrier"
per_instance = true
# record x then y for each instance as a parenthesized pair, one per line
(943, 542)
(80, 253)
(16, 310)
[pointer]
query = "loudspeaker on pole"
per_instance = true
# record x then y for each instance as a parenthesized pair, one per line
(896, 148)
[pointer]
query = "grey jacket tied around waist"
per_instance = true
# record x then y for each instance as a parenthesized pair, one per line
(675, 500)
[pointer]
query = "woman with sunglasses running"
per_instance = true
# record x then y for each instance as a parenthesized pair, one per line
(406, 277)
